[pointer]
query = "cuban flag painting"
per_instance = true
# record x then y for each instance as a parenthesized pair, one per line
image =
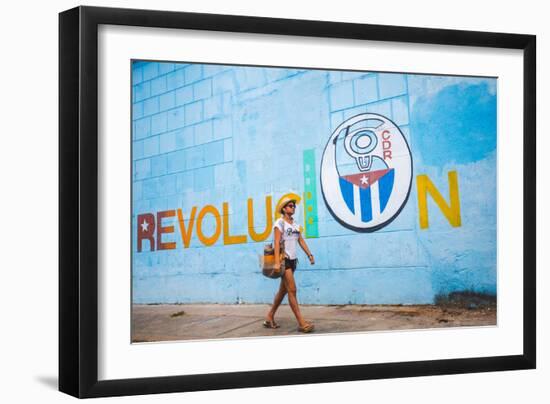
(367, 194)
(366, 197)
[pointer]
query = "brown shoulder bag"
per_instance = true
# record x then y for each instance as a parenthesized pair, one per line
(268, 260)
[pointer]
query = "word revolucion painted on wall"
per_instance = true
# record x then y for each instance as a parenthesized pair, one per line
(151, 229)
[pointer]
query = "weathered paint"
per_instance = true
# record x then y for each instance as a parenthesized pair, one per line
(234, 140)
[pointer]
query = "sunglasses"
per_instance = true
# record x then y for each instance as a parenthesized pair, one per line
(290, 205)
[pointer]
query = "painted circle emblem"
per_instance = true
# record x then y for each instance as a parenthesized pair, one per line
(366, 172)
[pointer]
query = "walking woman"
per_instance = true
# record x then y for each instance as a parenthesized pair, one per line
(287, 230)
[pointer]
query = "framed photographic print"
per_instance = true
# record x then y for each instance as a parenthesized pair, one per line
(359, 197)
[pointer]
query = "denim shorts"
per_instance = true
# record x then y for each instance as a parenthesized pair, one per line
(291, 263)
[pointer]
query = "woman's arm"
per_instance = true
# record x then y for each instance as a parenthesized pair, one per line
(304, 246)
(276, 245)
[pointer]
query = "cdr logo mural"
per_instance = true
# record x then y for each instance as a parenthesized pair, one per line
(366, 179)
(366, 172)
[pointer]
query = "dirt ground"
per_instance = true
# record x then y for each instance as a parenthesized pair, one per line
(152, 323)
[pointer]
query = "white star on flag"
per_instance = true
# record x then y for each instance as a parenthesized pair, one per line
(364, 180)
(144, 225)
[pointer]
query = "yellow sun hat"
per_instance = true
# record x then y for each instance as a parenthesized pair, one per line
(285, 201)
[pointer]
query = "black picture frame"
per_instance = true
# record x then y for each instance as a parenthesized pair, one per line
(78, 201)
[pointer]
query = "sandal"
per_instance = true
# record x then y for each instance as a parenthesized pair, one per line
(270, 324)
(307, 328)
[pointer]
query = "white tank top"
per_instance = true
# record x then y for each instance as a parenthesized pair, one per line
(290, 235)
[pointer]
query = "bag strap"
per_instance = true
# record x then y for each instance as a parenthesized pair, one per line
(281, 241)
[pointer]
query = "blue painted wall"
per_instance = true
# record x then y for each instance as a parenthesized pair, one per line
(208, 134)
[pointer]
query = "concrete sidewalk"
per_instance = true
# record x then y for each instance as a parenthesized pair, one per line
(208, 321)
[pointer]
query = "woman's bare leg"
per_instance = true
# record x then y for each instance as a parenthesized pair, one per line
(290, 285)
(279, 296)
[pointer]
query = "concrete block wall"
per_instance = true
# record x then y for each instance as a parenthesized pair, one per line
(209, 134)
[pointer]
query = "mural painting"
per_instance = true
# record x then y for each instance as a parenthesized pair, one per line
(386, 183)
